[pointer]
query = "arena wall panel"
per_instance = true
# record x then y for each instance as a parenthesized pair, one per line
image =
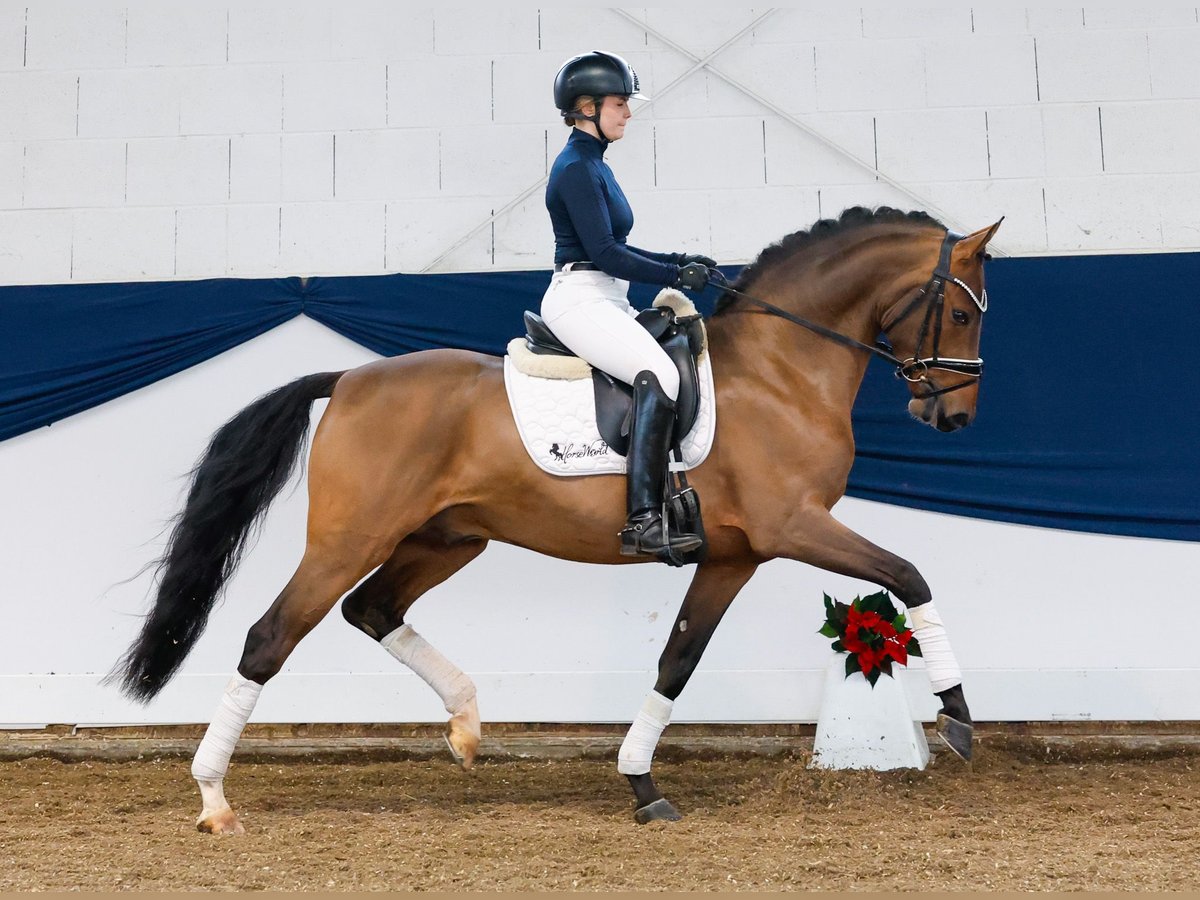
(38, 106)
(107, 242)
(253, 237)
(65, 174)
(909, 22)
(934, 144)
(12, 158)
(334, 96)
(126, 103)
(176, 35)
(332, 236)
(1173, 69)
(201, 240)
(277, 32)
(72, 36)
(37, 246)
(980, 70)
(419, 230)
(1093, 65)
(12, 36)
(306, 167)
(1150, 138)
(890, 76)
(225, 100)
(181, 170)
(385, 165)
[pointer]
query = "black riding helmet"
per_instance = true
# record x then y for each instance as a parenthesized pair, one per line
(596, 74)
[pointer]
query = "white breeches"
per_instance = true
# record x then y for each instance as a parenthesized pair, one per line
(590, 313)
(940, 663)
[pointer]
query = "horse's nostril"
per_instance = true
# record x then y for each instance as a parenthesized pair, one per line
(959, 420)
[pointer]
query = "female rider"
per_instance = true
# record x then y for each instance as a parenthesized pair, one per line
(586, 305)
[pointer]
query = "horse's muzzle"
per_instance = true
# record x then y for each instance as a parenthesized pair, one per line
(953, 422)
(928, 410)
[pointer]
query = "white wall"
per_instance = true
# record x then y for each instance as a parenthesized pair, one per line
(158, 141)
(161, 141)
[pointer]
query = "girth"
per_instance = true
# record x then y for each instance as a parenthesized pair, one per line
(682, 337)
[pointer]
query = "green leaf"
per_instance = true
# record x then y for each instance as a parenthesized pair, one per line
(873, 676)
(913, 648)
(898, 622)
(829, 630)
(839, 647)
(851, 664)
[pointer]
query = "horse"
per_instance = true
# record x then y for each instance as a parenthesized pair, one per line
(789, 342)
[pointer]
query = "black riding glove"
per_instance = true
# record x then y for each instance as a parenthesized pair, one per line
(693, 276)
(683, 259)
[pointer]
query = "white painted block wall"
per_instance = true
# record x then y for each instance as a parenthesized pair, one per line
(411, 127)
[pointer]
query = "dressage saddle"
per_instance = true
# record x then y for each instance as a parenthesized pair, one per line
(682, 337)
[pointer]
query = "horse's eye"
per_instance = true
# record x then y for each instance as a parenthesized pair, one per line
(960, 317)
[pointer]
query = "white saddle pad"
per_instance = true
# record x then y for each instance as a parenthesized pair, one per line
(557, 421)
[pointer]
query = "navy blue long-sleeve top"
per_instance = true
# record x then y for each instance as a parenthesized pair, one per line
(592, 218)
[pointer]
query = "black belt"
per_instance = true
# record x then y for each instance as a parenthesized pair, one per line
(577, 267)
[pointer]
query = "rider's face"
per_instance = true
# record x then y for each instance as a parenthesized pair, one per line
(614, 113)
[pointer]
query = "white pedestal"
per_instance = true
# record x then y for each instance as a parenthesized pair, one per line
(861, 727)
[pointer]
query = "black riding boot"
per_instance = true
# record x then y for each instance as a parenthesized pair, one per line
(649, 449)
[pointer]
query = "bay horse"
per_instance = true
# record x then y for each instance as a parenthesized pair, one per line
(789, 346)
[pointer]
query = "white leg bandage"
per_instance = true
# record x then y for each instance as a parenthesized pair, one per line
(940, 664)
(637, 750)
(451, 684)
(212, 757)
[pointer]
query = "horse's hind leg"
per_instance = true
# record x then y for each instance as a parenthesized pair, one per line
(712, 590)
(324, 574)
(378, 606)
(817, 538)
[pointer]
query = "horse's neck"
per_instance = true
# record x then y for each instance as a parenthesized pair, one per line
(847, 296)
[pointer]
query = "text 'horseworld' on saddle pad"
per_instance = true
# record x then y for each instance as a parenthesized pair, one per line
(557, 421)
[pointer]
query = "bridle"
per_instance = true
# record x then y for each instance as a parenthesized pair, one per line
(915, 368)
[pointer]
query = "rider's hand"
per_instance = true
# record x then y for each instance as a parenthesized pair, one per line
(685, 258)
(693, 276)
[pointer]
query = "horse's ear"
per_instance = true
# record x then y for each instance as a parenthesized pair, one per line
(975, 242)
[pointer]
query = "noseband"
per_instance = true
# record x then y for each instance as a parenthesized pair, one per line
(916, 368)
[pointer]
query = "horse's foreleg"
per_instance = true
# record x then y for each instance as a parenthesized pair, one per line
(312, 591)
(378, 606)
(712, 590)
(816, 537)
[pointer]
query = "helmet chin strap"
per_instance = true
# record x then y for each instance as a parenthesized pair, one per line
(594, 119)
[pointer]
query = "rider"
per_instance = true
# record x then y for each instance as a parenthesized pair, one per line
(586, 305)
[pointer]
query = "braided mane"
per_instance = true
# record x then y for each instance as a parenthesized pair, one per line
(853, 218)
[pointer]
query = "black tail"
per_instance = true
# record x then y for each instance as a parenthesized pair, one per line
(248, 461)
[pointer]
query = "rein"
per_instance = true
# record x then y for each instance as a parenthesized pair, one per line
(916, 368)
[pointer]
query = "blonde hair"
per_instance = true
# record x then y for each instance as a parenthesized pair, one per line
(575, 107)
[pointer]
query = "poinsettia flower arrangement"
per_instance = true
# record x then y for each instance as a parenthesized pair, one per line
(871, 633)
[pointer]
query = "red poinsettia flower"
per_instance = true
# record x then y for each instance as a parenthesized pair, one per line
(897, 647)
(866, 630)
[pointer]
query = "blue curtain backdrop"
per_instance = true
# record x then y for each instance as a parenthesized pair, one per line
(1087, 415)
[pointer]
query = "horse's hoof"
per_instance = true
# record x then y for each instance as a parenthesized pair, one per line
(660, 810)
(463, 734)
(223, 821)
(956, 735)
